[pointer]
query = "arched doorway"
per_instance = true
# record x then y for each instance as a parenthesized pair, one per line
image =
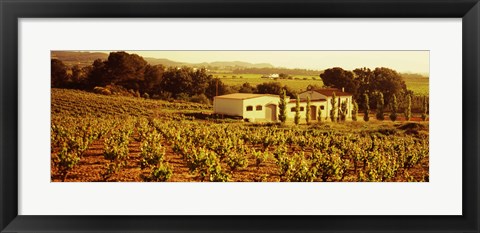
(313, 113)
(271, 112)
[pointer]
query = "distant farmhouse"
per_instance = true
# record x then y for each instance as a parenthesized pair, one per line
(264, 107)
(271, 76)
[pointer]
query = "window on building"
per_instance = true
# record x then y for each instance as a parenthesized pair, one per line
(258, 108)
(302, 109)
(249, 108)
(322, 107)
(292, 109)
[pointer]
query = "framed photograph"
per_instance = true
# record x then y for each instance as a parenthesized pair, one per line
(311, 116)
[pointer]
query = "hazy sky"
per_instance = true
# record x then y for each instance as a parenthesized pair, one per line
(402, 61)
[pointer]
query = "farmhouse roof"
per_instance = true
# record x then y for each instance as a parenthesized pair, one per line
(302, 100)
(330, 91)
(243, 96)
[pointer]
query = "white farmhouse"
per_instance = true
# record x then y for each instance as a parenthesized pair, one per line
(254, 107)
(264, 107)
(324, 98)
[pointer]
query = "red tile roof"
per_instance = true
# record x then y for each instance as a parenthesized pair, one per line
(330, 91)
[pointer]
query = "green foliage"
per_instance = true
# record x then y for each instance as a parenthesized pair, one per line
(299, 169)
(260, 157)
(274, 88)
(297, 111)
(65, 160)
(340, 78)
(282, 106)
(339, 110)
(333, 111)
(354, 110)
(205, 163)
(329, 166)
(366, 108)
(152, 152)
(380, 105)
(161, 172)
(425, 109)
(408, 108)
(343, 111)
(116, 151)
(307, 111)
(236, 160)
(394, 104)
(200, 98)
(319, 118)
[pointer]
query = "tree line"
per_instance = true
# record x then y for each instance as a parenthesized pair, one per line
(130, 74)
(275, 70)
(124, 73)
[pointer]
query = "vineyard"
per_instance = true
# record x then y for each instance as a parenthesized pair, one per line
(110, 138)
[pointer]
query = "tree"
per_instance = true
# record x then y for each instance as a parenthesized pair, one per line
(384, 80)
(307, 111)
(269, 88)
(282, 106)
(274, 88)
(297, 111)
(343, 107)
(393, 115)
(187, 81)
(98, 75)
(247, 88)
(339, 114)
(425, 109)
(366, 107)
(152, 78)
(80, 76)
(408, 108)
(216, 86)
(319, 114)
(354, 110)
(58, 75)
(340, 78)
(334, 107)
(380, 104)
(126, 70)
(388, 82)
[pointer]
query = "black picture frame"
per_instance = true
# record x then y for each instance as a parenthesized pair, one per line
(11, 11)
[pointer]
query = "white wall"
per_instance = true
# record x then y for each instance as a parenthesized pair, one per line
(291, 114)
(342, 98)
(263, 101)
(225, 106)
(328, 105)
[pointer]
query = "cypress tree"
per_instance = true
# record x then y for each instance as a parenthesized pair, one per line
(380, 103)
(343, 115)
(319, 114)
(366, 108)
(334, 107)
(408, 109)
(339, 114)
(425, 108)
(297, 111)
(354, 110)
(393, 115)
(282, 115)
(307, 111)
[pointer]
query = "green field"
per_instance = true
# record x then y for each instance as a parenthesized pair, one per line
(418, 85)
